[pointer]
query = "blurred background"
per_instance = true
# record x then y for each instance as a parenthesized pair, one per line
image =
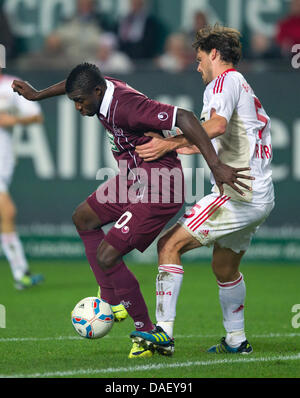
(147, 44)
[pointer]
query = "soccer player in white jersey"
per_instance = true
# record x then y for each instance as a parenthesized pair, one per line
(240, 131)
(14, 110)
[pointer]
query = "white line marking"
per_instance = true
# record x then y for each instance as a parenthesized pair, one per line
(154, 367)
(256, 336)
(24, 339)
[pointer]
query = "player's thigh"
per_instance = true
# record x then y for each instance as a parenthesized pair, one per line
(140, 224)
(218, 219)
(176, 239)
(225, 263)
(7, 206)
(85, 218)
(104, 206)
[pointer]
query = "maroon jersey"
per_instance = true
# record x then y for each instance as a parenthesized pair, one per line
(127, 114)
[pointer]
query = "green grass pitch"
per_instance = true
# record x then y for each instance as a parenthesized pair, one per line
(39, 340)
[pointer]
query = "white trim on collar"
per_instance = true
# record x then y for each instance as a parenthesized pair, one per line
(108, 96)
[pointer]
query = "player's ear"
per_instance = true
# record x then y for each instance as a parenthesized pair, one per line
(99, 91)
(213, 54)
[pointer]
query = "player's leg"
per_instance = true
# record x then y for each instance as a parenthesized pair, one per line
(232, 292)
(137, 228)
(12, 245)
(171, 246)
(88, 225)
(126, 286)
(127, 289)
(175, 242)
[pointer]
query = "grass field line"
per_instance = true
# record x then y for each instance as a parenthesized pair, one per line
(139, 368)
(25, 339)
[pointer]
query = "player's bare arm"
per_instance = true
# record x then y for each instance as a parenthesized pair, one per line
(7, 120)
(223, 174)
(214, 127)
(159, 146)
(31, 94)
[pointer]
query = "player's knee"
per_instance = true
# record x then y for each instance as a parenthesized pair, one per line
(83, 219)
(9, 213)
(77, 219)
(224, 274)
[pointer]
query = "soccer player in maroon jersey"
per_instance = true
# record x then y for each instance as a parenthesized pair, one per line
(127, 114)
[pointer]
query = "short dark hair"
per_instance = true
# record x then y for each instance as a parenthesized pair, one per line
(84, 77)
(225, 40)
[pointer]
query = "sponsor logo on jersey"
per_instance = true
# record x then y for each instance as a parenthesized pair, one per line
(111, 138)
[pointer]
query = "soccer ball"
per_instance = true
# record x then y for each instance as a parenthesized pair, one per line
(92, 318)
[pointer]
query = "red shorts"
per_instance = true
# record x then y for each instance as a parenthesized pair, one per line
(136, 224)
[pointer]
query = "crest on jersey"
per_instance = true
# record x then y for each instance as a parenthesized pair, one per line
(163, 116)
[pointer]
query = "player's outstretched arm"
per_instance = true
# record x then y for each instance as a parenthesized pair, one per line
(31, 94)
(7, 120)
(195, 133)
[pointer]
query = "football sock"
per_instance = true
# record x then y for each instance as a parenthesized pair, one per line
(13, 250)
(168, 284)
(128, 290)
(91, 241)
(232, 299)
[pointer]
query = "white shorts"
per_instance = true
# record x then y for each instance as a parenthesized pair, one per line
(7, 161)
(228, 222)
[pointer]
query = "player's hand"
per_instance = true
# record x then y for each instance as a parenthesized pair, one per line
(224, 174)
(7, 120)
(154, 149)
(188, 150)
(25, 89)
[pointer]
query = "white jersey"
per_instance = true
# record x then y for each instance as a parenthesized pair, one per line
(247, 140)
(14, 104)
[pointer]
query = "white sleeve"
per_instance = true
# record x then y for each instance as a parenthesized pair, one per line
(225, 97)
(26, 108)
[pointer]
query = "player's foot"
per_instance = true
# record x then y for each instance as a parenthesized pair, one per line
(167, 351)
(140, 350)
(119, 311)
(155, 339)
(28, 281)
(224, 348)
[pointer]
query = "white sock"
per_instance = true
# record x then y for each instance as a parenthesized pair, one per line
(168, 284)
(13, 250)
(232, 299)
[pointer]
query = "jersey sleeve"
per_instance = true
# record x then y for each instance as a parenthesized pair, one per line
(145, 114)
(224, 97)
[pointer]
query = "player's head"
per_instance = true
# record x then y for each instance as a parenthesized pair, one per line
(216, 45)
(85, 86)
